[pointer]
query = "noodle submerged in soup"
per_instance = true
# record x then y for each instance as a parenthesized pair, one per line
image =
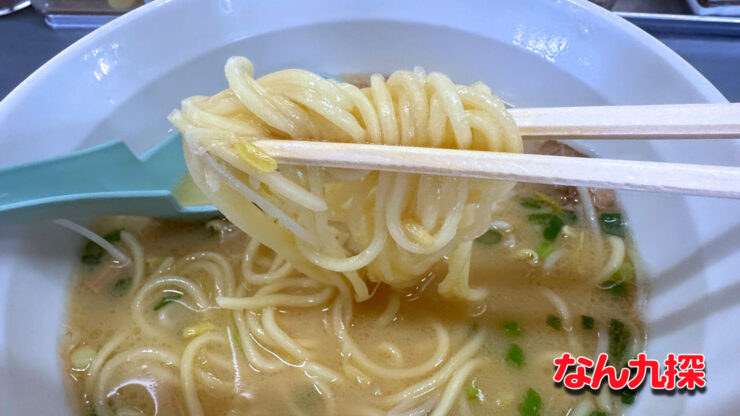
(147, 338)
(342, 292)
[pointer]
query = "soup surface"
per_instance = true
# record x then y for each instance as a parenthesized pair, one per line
(147, 337)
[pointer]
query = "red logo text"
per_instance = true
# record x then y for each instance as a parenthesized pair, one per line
(679, 371)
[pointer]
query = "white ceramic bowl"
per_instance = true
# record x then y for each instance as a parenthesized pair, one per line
(122, 80)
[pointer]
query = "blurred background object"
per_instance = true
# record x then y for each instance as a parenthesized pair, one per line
(10, 6)
(715, 7)
(652, 6)
(83, 13)
(697, 7)
(94, 13)
(607, 4)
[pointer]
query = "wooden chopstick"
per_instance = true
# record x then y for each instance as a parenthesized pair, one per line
(681, 121)
(702, 180)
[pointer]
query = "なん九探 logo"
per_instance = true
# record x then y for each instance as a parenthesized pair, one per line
(677, 372)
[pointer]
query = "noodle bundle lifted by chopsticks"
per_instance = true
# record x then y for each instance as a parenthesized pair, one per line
(347, 228)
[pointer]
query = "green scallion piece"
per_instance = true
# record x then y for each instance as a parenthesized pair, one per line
(121, 286)
(553, 321)
(113, 236)
(552, 223)
(530, 203)
(490, 237)
(625, 273)
(511, 329)
(615, 287)
(166, 300)
(544, 249)
(93, 253)
(515, 355)
(619, 281)
(597, 413)
(587, 322)
(628, 396)
(619, 338)
(531, 404)
(472, 392)
(613, 224)
(553, 227)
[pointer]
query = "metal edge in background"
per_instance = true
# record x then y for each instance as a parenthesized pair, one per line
(78, 21)
(688, 25)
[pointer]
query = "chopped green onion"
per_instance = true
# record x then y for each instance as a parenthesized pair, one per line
(490, 237)
(121, 286)
(619, 281)
(553, 224)
(554, 322)
(515, 355)
(615, 287)
(553, 227)
(531, 404)
(625, 273)
(570, 217)
(587, 322)
(113, 236)
(472, 392)
(530, 203)
(613, 224)
(91, 411)
(544, 249)
(93, 253)
(597, 413)
(474, 327)
(619, 337)
(628, 396)
(511, 328)
(166, 300)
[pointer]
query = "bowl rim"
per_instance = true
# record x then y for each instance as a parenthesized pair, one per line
(692, 75)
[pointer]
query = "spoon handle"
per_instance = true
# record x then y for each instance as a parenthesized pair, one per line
(103, 180)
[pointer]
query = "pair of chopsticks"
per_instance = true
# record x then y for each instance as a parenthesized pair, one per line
(652, 122)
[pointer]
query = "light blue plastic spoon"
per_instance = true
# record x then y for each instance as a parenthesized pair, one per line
(104, 180)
